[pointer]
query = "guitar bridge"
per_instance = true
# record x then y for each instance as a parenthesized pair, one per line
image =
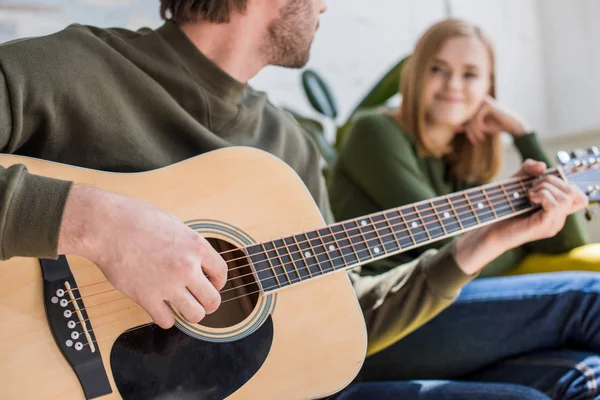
(70, 326)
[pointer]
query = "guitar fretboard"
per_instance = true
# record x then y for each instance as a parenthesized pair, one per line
(303, 256)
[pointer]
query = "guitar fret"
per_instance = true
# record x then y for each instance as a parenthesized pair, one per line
(431, 221)
(265, 275)
(345, 245)
(399, 229)
(372, 239)
(279, 264)
(309, 254)
(333, 248)
(357, 240)
(320, 252)
(437, 214)
(394, 240)
(465, 213)
(502, 204)
(456, 215)
(297, 258)
(527, 203)
(405, 222)
(422, 222)
(301, 257)
(472, 208)
(447, 214)
(376, 220)
(287, 262)
(417, 230)
(282, 264)
(512, 207)
(267, 255)
(477, 198)
(490, 204)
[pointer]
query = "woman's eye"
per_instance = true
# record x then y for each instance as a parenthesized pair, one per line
(470, 75)
(436, 69)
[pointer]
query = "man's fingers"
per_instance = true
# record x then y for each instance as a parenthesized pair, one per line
(553, 181)
(543, 198)
(213, 265)
(188, 306)
(161, 314)
(557, 194)
(577, 199)
(531, 167)
(205, 293)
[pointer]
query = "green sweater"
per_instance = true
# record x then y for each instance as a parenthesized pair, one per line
(116, 100)
(379, 168)
(122, 101)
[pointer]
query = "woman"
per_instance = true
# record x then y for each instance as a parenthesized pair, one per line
(445, 137)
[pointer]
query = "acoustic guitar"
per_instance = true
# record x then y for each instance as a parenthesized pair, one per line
(289, 326)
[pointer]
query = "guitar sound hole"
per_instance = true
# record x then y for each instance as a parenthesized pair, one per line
(240, 294)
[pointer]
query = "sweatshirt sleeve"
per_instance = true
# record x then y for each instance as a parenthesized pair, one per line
(404, 298)
(529, 146)
(31, 206)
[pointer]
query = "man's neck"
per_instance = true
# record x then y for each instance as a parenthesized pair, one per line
(233, 47)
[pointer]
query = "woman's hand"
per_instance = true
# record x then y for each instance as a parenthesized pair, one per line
(492, 119)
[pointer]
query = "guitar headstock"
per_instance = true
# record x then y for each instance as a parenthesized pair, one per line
(582, 167)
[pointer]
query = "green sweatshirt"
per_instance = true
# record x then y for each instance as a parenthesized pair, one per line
(116, 100)
(379, 168)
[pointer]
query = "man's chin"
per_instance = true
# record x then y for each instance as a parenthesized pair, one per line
(296, 63)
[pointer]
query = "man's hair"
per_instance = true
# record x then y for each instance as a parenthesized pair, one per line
(217, 11)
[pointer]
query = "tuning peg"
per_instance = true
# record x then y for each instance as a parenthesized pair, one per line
(591, 213)
(593, 151)
(578, 153)
(592, 189)
(563, 157)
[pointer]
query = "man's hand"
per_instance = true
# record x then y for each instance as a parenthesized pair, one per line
(147, 253)
(557, 198)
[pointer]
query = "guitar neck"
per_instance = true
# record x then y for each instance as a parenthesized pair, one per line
(294, 259)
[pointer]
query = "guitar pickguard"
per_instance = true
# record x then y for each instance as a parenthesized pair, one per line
(151, 363)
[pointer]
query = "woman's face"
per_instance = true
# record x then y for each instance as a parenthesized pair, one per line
(456, 82)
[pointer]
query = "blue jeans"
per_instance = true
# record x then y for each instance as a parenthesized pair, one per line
(529, 337)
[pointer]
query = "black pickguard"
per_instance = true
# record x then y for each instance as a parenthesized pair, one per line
(151, 363)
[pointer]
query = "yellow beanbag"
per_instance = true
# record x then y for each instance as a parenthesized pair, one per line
(583, 258)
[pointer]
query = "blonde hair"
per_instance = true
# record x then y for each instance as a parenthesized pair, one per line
(476, 163)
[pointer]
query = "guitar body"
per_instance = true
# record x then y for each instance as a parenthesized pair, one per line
(300, 342)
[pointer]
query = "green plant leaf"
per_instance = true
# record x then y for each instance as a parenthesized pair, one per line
(318, 93)
(383, 90)
(315, 131)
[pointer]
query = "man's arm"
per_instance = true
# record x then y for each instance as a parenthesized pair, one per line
(31, 206)
(148, 254)
(403, 299)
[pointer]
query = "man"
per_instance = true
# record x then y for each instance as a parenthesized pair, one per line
(133, 101)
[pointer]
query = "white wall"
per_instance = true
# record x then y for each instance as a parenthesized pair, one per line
(571, 50)
(548, 50)
(514, 28)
